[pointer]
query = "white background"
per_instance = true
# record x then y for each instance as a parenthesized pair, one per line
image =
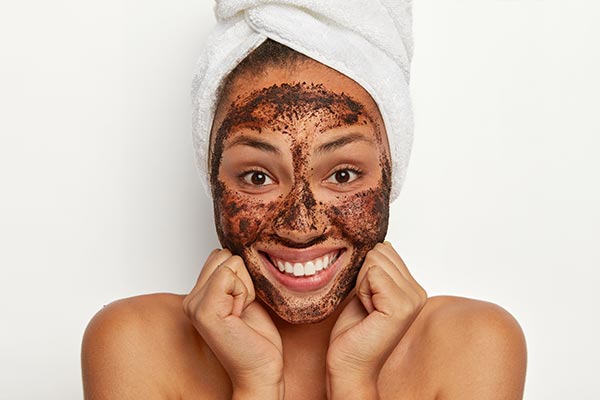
(99, 197)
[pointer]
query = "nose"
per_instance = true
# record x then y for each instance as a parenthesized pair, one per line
(297, 220)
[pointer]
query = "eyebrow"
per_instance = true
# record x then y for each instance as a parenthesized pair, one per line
(253, 142)
(341, 142)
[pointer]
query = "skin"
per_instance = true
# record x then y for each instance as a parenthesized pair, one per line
(226, 339)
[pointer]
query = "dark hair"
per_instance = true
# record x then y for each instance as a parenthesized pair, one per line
(268, 54)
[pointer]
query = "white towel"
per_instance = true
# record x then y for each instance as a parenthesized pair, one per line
(369, 41)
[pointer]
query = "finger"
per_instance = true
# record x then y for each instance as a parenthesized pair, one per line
(379, 292)
(353, 313)
(376, 257)
(204, 274)
(397, 269)
(225, 294)
(219, 259)
(212, 254)
(237, 265)
(213, 261)
(388, 250)
(199, 306)
(409, 292)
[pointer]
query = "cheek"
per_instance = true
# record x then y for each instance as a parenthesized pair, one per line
(239, 220)
(362, 218)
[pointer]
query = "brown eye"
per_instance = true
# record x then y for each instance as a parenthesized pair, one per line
(343, 176)
(257, 178)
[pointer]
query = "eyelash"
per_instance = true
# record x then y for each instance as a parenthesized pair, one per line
(245, 173)
(355, 170)
(359, 173)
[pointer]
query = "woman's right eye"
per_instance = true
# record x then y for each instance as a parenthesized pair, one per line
(256, 178)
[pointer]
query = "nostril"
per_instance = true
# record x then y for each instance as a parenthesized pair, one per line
(298, 218)
(295, 217)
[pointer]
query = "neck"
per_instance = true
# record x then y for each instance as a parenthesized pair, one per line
(305, 352)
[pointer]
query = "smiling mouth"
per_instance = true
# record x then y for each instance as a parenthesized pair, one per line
(306, 268)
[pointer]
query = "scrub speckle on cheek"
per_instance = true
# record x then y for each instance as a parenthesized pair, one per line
(363, 221)
(359, 220)
(237, 218)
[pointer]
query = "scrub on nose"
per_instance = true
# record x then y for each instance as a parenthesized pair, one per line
(357, 220)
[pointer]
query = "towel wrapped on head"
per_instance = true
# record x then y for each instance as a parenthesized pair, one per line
(370, 41)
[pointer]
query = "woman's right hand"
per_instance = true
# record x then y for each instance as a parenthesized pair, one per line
(238, 330)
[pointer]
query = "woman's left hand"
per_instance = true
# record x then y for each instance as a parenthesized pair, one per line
(387, 300)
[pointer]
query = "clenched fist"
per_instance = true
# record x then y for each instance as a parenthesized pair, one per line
(387, 301)
(238, 330)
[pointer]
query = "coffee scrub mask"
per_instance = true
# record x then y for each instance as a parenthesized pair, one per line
(273, 198)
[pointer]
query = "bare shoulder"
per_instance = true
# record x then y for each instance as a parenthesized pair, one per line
(132, 312)
(142, 347)
(147, 318)
(479, 349)
(470, 315)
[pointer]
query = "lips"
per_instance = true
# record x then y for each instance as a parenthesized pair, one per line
(303, 271)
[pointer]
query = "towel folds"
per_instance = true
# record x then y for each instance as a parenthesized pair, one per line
(369, 41)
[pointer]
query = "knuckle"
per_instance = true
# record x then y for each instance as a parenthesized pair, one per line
(241, 284)
(236, 260)
(374, 269)
(214, 252)
(419, 304)
(223, 270)
(370, 259)
(421, 293)
(379, 246)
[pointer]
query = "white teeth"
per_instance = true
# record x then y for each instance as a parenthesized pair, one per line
(298, 269)
(319, 265)
(288, 268)
(307, 268)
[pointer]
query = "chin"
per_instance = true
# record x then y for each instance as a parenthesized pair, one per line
(298, 298)
(305, 316)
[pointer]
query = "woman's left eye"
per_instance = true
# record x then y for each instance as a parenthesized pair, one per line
(256, 178)
(343, 176)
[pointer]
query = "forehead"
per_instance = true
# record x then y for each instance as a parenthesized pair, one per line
(309, 92)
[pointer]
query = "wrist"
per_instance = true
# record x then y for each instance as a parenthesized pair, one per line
(258, 392)
(351, 390)
(350, 384)
(262, 383)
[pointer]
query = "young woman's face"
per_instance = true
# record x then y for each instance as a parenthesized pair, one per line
(300, 175)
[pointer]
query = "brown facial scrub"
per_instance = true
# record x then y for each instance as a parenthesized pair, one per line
(300, 178)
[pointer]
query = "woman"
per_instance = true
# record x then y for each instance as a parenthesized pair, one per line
(305, 300)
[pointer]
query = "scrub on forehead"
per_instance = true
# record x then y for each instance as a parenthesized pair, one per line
(248, 224)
